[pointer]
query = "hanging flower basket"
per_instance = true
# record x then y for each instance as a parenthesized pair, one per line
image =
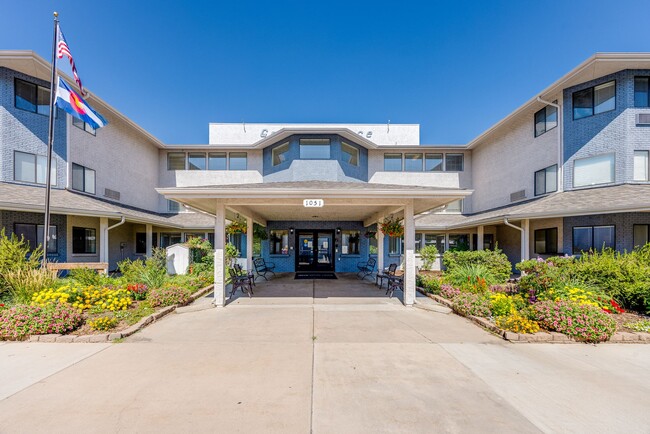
(236, 227)
(392, 227)
(370, 234)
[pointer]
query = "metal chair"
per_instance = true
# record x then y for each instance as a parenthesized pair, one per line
(379, 279)
(394, 283)
(262, 268)
(366, 268)
(240, 272)
(239, 282)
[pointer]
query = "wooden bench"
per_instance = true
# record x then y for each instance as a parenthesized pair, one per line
(101, 267)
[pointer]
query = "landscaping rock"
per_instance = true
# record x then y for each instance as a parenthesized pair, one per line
(539, 337)
(82, 339)
(48, 338)
(511, 336)
(644, 337)
(34, 338)
(559, 337)
(65, 339)
(627, 337)
(114, 336)
(98, 338)
(163, 312)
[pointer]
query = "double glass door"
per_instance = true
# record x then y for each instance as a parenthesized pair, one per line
(315, 250)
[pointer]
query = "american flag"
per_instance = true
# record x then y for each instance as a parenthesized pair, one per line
(63, 49)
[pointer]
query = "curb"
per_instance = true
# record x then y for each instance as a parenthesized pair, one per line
(109, 337)
(541, 336)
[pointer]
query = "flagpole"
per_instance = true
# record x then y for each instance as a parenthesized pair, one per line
(50, 141)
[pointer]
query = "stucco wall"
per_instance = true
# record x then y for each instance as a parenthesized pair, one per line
(546, 224)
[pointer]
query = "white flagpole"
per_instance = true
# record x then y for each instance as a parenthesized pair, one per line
(50, 140)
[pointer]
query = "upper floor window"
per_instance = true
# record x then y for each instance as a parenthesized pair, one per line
(641, 165)
(238, 161)
(393, 162)
(217, 161)
(31, 97)
(173, 206)
(593, 170)
(176, 161)
(83, 179)
(586, 238)
(83, 125)
(594, 100)
(315, 149)
(279, 153)
(641, 92)
(546, 241)
(433, 162)
(196, 161)
(546, 180)
(33, 168)
(545, 120)
(454, 162)
(413, 162)
(350, 154)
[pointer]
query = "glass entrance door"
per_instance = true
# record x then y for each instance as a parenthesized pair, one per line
(315, 250)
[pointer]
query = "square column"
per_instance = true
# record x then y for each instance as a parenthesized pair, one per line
(479, 238)
(249, 244)
(219, 254)
(409, 254)
(149, 236)
(380, 246)
(103, 239)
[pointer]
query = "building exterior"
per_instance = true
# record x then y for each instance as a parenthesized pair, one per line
(565, 172)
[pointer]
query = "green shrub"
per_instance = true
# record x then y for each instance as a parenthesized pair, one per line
(21, 321)
(472, 304)
(132, 316)
(167, 296)
(495, 261)
(23, 283)
(429, 254)
(471, 277)
(87, 277)
(151, 272)
(639, 326)
(581, 321)
(430, 284)
(15, 254)
(103, 323)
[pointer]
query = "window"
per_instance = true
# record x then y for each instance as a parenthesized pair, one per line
(394, 246)
(641, 235)
(413, 162)
(350, 242)
(454, 162)
(279, 242)
(32, 168)
(140, 243)
(418, 242)
(173, 206)
(433, 162)
(546, 241)
(459, 242)
(279, 154)
(31, 97)
(83, 179)
(586, 238)
(641, 165)
(594, 100)
(373, 245)
(455, 206)
(350, 154)
(488, 241)
(83, 125)
(315, 149)
(593, 170)
(217, 161)
(167, 240)
(238, 161)
(239, 241)
(33, 235)
(546, 180)
(393, 162)
(641, 93)
(84, 240)
(176, 161)
(545, 119)
(436, 239)
(196, 161)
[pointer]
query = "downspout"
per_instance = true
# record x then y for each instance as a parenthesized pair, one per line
(560, 143)
(521, 238)
(106, 236)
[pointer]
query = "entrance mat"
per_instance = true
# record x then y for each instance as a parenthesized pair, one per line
(301, 276)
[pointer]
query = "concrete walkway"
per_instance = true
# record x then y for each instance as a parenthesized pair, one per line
(325, 356)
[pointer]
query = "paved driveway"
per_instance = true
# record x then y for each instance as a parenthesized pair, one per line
(331, 356)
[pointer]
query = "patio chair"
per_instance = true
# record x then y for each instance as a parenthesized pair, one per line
(386, 274)
(240, 272)
(366, 268)
(262, 268)
(239, 282)
(394, 283)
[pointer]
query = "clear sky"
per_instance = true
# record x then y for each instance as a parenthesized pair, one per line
(455, 67)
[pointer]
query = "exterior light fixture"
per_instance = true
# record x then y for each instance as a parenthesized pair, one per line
(291, 231)
(338, 230)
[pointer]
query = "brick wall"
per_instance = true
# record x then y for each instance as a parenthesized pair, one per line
(623, 222)
(9, 218)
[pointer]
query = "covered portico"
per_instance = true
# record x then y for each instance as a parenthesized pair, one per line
(262, 203)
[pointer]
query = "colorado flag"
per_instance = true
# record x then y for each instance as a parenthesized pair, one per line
(71, 102)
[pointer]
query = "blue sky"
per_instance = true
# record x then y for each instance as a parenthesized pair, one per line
(455, 67)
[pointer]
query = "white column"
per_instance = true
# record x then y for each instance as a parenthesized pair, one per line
(149, 236)
(479, 237)
(409, 254)
(525, 240)
(103, 239)
(219, 254)
(380, 246)
(249, 244)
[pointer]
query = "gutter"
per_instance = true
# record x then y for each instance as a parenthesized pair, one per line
(560, 143)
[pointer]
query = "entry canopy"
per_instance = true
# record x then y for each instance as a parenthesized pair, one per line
(342, 201)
